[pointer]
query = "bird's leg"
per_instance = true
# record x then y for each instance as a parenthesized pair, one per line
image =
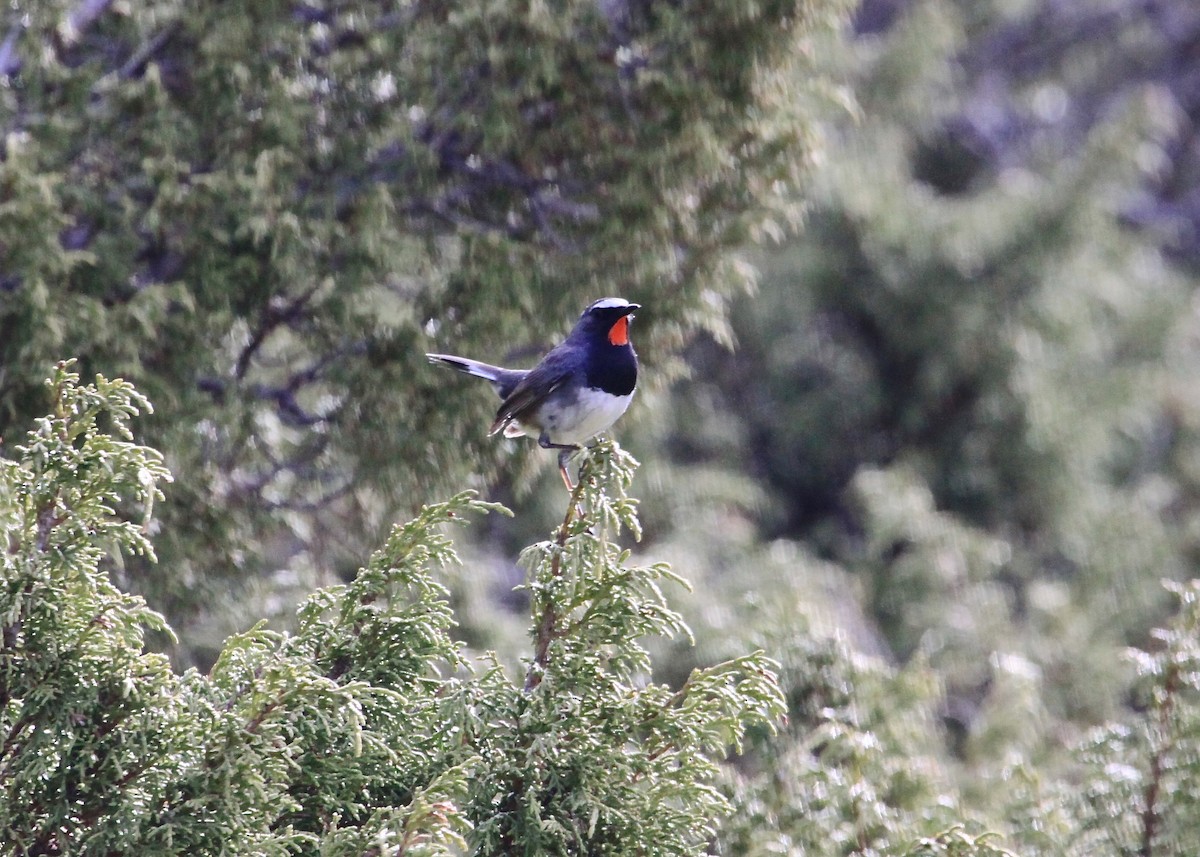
(563, 458)
(568, 449)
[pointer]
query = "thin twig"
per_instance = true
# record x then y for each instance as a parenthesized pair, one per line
(1150, 815)
(142, 56)
(547, 625)
(272, 317)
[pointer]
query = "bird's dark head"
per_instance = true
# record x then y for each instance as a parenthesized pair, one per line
(610, 318)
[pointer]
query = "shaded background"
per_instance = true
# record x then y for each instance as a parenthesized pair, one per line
(940, 456)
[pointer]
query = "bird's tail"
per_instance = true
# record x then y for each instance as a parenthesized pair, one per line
(486, 371)
(502, 379)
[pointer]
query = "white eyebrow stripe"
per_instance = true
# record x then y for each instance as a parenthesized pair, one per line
(609, 303)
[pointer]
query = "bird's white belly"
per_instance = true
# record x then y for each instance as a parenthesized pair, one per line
(592, 412)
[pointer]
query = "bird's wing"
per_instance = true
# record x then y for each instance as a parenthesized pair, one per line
(543, 379)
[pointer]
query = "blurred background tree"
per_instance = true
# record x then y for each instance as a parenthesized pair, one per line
(264, 213)
(940, 475)
(966, 394)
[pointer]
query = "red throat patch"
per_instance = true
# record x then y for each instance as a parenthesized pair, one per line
(618, 334)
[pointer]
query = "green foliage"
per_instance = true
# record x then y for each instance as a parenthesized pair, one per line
(339, 737)
(861, 766)
(975, 402)
(87, 717)
(368, 729)
(551, 787)
(957, 843)
(1139, 796)
(855, 772)
(264, 214)
(963, 413)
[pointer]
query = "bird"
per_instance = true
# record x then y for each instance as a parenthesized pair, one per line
(576, 391)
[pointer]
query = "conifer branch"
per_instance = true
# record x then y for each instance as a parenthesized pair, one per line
(1150, 812)
(547, 629)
